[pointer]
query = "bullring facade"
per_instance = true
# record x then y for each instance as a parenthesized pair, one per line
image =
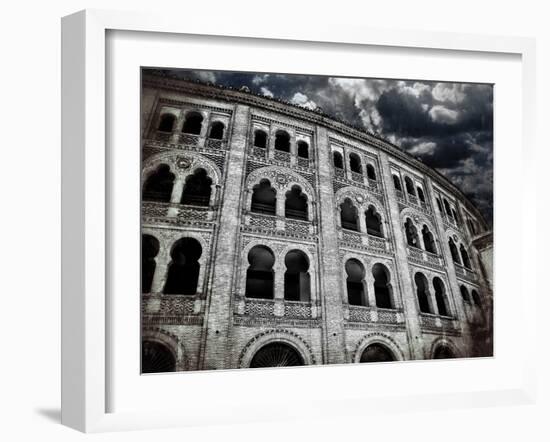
(274, 235)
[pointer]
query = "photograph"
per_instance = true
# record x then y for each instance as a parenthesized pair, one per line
(295, 220)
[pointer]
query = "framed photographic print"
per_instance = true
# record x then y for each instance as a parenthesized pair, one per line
(291, 200)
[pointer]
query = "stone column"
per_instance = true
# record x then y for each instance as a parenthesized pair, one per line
(331, 284)
(161, 270)
(369, 287)
(405, 286)
(218, 319)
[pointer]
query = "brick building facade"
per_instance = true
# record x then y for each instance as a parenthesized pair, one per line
(276, 235)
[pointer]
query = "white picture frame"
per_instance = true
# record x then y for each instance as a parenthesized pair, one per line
(85, 215)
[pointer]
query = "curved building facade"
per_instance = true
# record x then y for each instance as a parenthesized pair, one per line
(274, 235)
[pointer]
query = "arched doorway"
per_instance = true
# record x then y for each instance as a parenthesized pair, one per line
(149, 250)
(276, 354)
(297, 284)
(377, 353)
(183, 272)
(197, 189)
(260, 275)
(156, 358)
(158, 186)
(443, 352)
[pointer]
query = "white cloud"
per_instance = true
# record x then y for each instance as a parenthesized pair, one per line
(266, 92)
(415, 90)
(259, 79)
(441, 114)
(206, 76)
(303, 100)
(359, 89)
(425, 148)
(449, 92)
(371, 119)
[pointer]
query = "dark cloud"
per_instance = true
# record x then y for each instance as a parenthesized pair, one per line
(448, 126)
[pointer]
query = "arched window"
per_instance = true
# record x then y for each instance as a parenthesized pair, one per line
(382, 286)
(465, 257)
(455, 216)
(264, 198)
(476, 298)
(377, 353)
(420, 193)
(149, 250)
(409, 186)
(156, 358)
(193, 124)
(158, 186)
(355, 163)
(297, 286)
(348, 215)
(440, 297)
(397, 183)
(443, 352)
(422, 292)
(282, 141)
(411, 234)
(337, 160)
(447, 208)
(354, 282)
(197, 189)
(303, 149)
(374, 222)
(183, 270)
(454, 251)
(260, 275)
(439, 206)
(260, 139)
(464, 293)
(471, 227)
(371, 174)
(276, 354)
(428, 238)
(166, 123)
(216, 130)
(296, 203)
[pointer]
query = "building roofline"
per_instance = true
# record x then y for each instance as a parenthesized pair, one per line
(161, 78)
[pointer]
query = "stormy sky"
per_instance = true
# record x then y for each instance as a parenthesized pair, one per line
(448, 126)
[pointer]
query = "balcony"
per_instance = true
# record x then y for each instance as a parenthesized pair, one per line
(276, 309)
(423, 257)
(174, 213)
(437, 323)
(158, 308)
(465, 273)
(273, 224)
(375, 315)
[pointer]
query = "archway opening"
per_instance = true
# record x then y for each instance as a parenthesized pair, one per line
(183, 271)
(260, 139)
(371, 174)
(397, 183)
(422, 292)
(354, 282)
(296, 203)
(410, 186)
(348, 215)
(260, 274)
(197, 190)
(276, 354)
(465, 295)
(156, 358)
(297, 281)
(166, 123)
(282, 141)
(454, 251)
(149, 250)
(264, 198)
(373, 222)
(440, 297)
(377, 353)
(382, 286)
(420, 193)
(216, 130)
(159, 185)
(355, 163)
(465, 257)
(337, 160)
(428, 238)
(443, 352)
(411, 234)
(193, 124)
(303, 149)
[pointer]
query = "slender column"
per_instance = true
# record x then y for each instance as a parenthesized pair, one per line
(331, 283)
(217, 322)
(369, 286)
(433, 301)
(406, 285)
(161, 270)
(177, 190)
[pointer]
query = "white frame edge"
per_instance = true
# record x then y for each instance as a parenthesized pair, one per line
(84, 346)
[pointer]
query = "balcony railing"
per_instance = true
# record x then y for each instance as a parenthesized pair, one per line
(464, 272)
(275, 308)
(339, 173)
(375, 315)
(424, 257)
(170, 306)
(357, 177)
(437, 322)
